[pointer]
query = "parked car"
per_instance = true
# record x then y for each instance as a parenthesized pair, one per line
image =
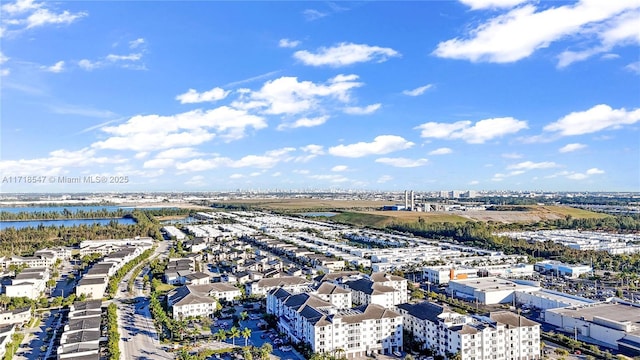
(397, 353)
(285, 348)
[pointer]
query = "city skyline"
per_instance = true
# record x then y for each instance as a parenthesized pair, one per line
(206, 96)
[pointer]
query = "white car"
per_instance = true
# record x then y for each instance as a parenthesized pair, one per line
(397, 353)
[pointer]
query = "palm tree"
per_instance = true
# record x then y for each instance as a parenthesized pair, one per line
(339, 353)
(265, 351)
(233, 334)
(243, 316)
(221, 335)
(246, 333)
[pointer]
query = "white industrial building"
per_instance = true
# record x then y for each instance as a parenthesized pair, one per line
(548, 299)
(572, 271)
(488, 290)
(616, 324)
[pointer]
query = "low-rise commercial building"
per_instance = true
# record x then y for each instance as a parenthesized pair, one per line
(489, 290)
(615, 324)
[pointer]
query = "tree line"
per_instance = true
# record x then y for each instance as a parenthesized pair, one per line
(26, 241)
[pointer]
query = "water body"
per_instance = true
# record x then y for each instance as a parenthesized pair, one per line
(317, 214)
(74, 208)
(65, 223)
(59, 209)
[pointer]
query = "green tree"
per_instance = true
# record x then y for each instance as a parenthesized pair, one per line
(234, 332)
(221, 335)
(246, 333)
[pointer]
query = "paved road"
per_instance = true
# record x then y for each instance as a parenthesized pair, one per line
(35, 338)
(134, 319)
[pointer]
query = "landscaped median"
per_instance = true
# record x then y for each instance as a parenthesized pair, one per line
(112, 332)
(13, 346)
(114, 281)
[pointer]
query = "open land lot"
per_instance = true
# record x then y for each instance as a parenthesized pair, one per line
(367, 213)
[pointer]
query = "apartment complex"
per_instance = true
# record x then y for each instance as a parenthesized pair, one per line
(501, 335)
(358, 331)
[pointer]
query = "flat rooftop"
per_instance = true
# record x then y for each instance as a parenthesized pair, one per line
(565, 298)
(492, 284)
(611, 311)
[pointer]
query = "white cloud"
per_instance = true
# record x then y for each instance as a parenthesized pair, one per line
(369, 109)
(287, 95)
(159, 163)
(55, 68)
(586, 174)
(572, 147)
(20, 6)
(58, 162)
(236, 176)
(518, 33)
(530, 165)
(418, 91)
(268, 160)
(338, 168)
(384, 178)
(87, 64)
(402, 162)
(344, 54)
(130, 57)
(3, 58)
(330, 178)
(313, 149)
(313, 14)
(301, 172)
(621, 30)
(474, 182)
(155, 132)
(192, 96)
(178, 153)
(286, 43)
(512, 156)
(477, 133)
(441, 151)
(197, 180)
(491, 4)
(304, 122)
(382, 144)
(133, 44)
(599, 117)
(633, 67)
(42, 17)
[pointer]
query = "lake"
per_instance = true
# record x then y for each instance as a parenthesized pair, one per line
(59, 209)
(315, 214)
(66, 223)
(74, 208)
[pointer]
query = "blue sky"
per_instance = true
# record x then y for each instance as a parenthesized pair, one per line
(433, 95)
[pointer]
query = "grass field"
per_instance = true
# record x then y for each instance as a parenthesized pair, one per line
(163, 288)
(368, 213)
(306, 204)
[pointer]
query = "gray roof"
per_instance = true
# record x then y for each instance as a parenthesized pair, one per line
(85, 324)
(92, 281)
(368, 287)
(424, 310)
(511, 320)
(282, 281)
(327, 289)
(87, 305)
(82, 336)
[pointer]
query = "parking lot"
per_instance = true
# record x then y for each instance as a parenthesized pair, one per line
(258, 336)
